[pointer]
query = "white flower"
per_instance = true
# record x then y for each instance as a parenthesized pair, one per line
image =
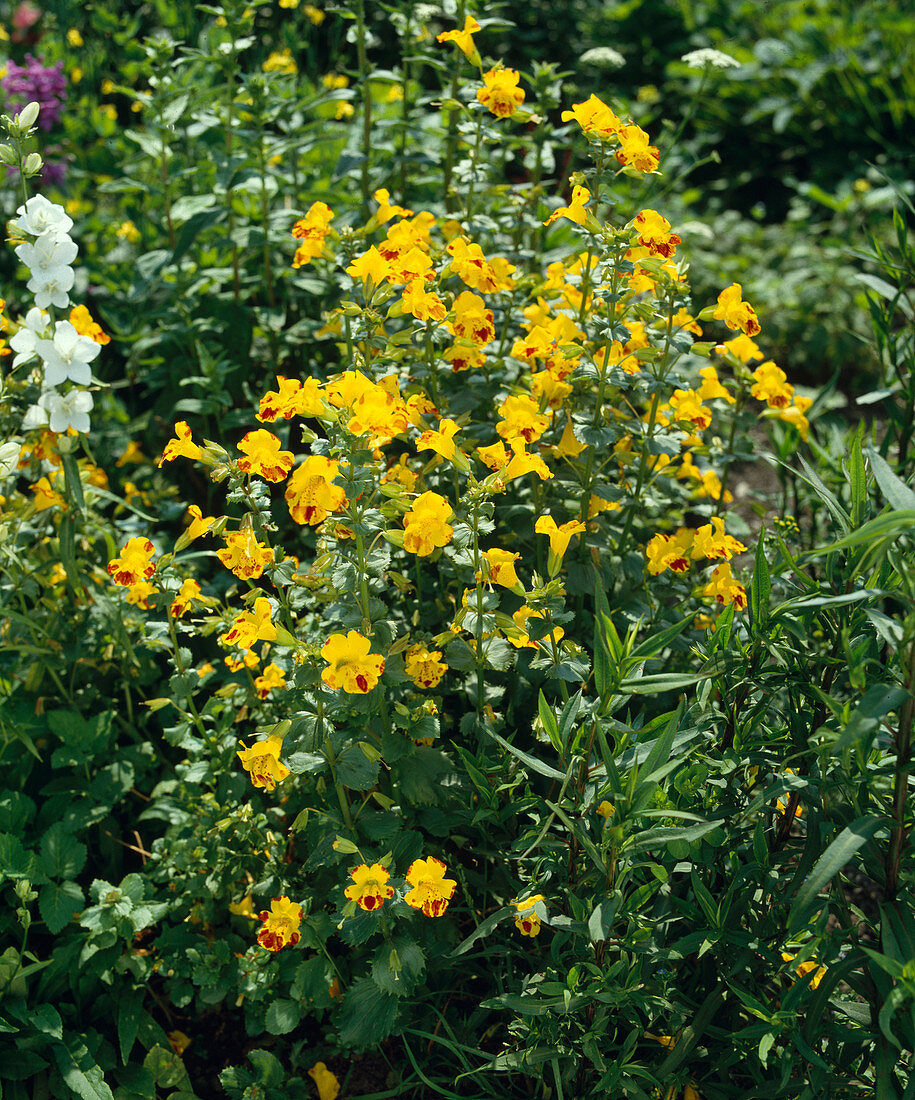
(68, 355)
(25, 340)
(69, 410)
(709, 59)
(35, 417)
(606, 57)
(38, 216)
(49, 251)
(9, 458)
(51, 288)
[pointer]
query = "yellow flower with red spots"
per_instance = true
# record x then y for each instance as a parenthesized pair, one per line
(312, 231)
(370, 889)
(472, 267)
(134, 563)
(635, 150)
(559, 536)
(772, 386)
(431, 891)
(262, 762)
(688, 408)
(522, 419)
(311, 493)
(251, 626)
(724, 589)
(350, 665)
(736, 313)
(710, 541)
(199, 524)
(189, 591)
(526, 919)
(425, 667)
(655, 234)
(46, 496)
(271, 679)
(81, 320)
(500, 93)
(594, 117)
(264, 456)
(244, 555)
(441, 441)
(501, 568)
(292, 397)
(670, 552)
(281, 924)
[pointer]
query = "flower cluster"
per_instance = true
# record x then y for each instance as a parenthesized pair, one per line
(34, 82)
(65, 349)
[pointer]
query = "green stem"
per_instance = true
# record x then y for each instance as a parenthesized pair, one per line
(366, 90)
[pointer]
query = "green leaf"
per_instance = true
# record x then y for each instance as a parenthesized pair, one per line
(482, 929)
(130, 1009)
(269, 1068)
(17, 1065)
(80, 1072)
(354, 769)
(898, 494)
(548, 721)
(852, 838)
(858, 480)
(167, 1068)
(761, 585)
(62, 856)
(367, 1015)
(282, 1017)
(662, 681)
(72, 482)
(47, 1020)
(59, 903)
(530, 761)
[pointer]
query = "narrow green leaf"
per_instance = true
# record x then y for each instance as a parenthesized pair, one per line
(481, 930)
(852, 838)
(858, 480)
(761, 586)
(73, 483)
(548, 721)
(532, 762)
(899, 496)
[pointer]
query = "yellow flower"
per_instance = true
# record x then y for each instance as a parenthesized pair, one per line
(334, 81)
(181, 445)
(190, 590)
(327, 1084)
(431, 890)
(386, 210)
(402, 474)
(560, 537)
(46, 496)
(741, 347)
(670, 552)
(178, 1040)
(635, 152)
(810, 966)
(316, 17)
(244, 555)
(724, 588)
(521, 419)
(281, 924)
(74, 38)
(291, 398)
(500, 93)
(594, 117)
(526, 920)
(370, 887)
(711, 387)
(655, 235)
(501, 568)
(264, 456)
(736, 313)
(128, 231)
(772, 386)
(251, 626)
(605, 809)
(133, 564)
(568, 446)
(426, 526)
(199, 524)
(243, 908)
(371, 268)
(350, 665)
(271, 678)
(442, 441)
(262, 762)
(471, 266)
(710, 541)
(424, 666)
(107, 86)
(280, 61)
(472, 320)
(575, 211)
(312, 231)
(423, 304)
(311, 493)
(140, 592)
(688, 408)
(794, 414)
(463, 39)
(132, 453)
(379, 414)
(522, 640)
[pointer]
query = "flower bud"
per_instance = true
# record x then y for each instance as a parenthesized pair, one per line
(8, 155)
(28, 116)
(32, 165)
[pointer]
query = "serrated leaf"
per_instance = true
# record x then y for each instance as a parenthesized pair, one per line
(355, 770)
(59, 903)
(282, 1017)
(62, 855)
(367, 1015)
